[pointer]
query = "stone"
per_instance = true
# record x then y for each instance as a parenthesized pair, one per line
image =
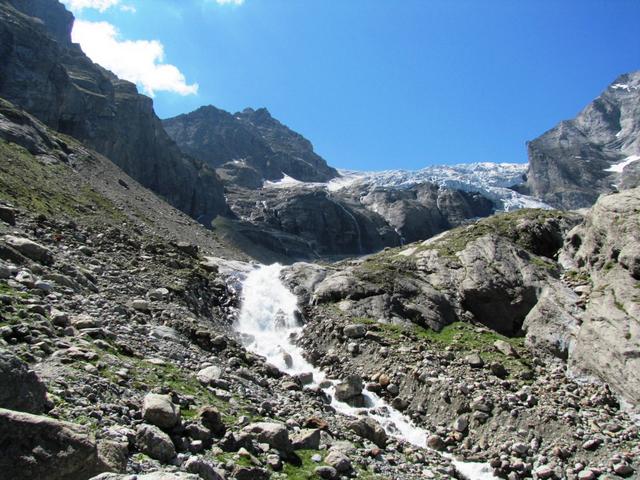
(30, 249)
(40, 447)
(211, 419)
(152, 441)
(159, 410)
(209, 375)
(83, 321)
(271, 433)
(308, 439)
(21, 389)
(355, 331)
(543, 472)
(201, 467)
(505, 348)
(623, 469)
(7, 215)
(113, 455)
(326, 472)
(436, 442)
(461, 424)
(141, 305)
(250, 473)
(474, 360)
(339, 461)
(158, 295)
(349, 388)
(368, 428)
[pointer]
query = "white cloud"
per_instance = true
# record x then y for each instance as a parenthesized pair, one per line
(229, 2)
(100, 5)
(139, 61)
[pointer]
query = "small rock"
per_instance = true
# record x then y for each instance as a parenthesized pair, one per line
(474, 360)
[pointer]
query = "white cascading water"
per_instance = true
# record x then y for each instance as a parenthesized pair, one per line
(267, 321)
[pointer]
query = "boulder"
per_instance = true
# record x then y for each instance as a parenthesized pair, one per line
(40, 447)
(368, 428)
(209, 375)
(356, 330)
(159, 410)
(20, 388)
(211, 419)
(349, 388)
(152, 441)
(203, 468)
(30, 249)
(308, 439)
(271, 433)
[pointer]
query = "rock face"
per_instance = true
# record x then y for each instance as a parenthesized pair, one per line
(605, 250)
(247, 147)
(42, 72)
(64, 450)
(486, 272)
(579, 159)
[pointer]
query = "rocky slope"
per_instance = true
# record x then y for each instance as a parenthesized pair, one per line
(116, 348)
(597, 152)
(247, 147)
(469, 334)
(42, 72)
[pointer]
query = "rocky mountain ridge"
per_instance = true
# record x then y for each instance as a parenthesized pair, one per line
(247, 147)
(42, 72)
(595, 153)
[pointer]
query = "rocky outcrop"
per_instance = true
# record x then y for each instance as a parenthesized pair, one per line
(484, 272)
(604, 251)
(579, 159)
(40, 447)
(42, 72)
(247, 147)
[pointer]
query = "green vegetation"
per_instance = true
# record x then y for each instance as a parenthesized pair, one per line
(43, 188)
(459, 336)
(503, 224)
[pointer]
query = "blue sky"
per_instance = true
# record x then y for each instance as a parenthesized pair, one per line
(380, 84)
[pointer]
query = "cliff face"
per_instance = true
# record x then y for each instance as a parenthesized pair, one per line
(42, 72)
(247, 147)
(595, 153)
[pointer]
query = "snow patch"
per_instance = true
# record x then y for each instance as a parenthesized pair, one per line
(620, 166)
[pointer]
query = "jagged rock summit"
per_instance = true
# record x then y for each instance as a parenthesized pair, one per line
(247, 147)
(595, 153)
(44, 73)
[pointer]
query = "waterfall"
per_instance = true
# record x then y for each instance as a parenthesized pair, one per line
(268, 324)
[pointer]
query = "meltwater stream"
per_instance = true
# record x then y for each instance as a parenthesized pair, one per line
(268, 322)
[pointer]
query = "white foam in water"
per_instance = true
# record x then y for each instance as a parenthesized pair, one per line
(268, 321)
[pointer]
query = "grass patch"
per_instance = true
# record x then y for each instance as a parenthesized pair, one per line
(46, 189)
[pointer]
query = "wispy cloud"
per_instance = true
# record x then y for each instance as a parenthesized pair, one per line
(139, 61)
(100, 5)
(229, 2)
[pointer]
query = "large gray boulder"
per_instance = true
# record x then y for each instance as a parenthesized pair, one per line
(370, 429)
(40, 447)
(20, 388)
(159, 410)
(271, 433)
(155, 443)
(30, 249)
